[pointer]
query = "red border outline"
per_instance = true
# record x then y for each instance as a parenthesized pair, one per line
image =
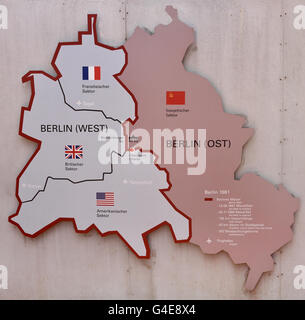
(29, 77)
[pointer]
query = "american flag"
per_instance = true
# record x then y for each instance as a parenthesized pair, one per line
(73, 151)
(105, 199)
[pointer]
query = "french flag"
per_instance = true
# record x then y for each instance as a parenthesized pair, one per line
(91, 73)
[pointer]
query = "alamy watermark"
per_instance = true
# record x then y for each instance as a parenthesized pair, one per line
(3, 277)
(3, 17)
(178, 146)
(299, 20)
(299, 280)
(169, 146)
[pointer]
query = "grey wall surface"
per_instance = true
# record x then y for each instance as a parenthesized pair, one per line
(254, 57)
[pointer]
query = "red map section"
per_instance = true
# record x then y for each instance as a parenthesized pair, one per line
(249, 218)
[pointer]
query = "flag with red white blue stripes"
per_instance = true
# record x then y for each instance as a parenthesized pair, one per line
(91, 73)
(105, 199)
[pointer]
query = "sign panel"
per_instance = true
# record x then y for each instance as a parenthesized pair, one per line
(128, 140)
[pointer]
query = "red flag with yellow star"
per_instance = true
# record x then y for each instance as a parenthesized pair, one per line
(175, 97)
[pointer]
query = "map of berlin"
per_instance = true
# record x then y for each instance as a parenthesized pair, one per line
(108, 104)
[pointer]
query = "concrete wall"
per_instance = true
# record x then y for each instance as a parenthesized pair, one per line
(251, 53)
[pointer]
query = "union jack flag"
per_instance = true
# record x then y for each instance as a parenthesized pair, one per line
(73, 151)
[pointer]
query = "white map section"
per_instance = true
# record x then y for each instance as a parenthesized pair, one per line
(115, 101)
(48, 108)
(136, 189)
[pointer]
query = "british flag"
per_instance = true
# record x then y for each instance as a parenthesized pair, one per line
(73, 151)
